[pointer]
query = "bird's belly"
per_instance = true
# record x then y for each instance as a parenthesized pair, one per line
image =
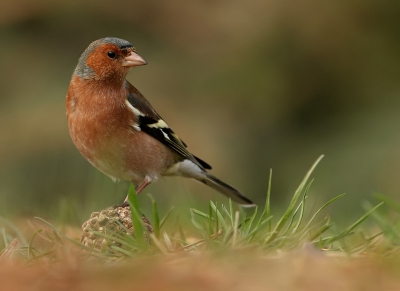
(134, 157)
(116, 156)
(117, 171)
(125, 154)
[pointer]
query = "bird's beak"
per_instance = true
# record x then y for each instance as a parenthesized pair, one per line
(133, 60)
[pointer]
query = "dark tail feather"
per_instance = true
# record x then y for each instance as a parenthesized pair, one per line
(227, 190)
(203, 163)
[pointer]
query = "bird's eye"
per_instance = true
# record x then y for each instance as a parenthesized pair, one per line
(111, 54)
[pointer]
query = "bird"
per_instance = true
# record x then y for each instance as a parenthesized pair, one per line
(118, 131)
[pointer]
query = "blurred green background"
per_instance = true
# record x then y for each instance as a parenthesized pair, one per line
(248, 85)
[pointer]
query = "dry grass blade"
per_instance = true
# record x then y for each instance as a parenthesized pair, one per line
(8, 251)
(213, 236)
(235, 229)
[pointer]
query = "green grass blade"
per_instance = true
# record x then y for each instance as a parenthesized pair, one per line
(4, 236)
(122, 251)
(137, 221)
(318, 211)
(390, 231)
(166, 217)
(292, 204)
(194, 220)
(320, 231)
(267, 208)
(21, 237)
(303, 204)
(117, 237)
(258, 227)
(230, 217)
(200, 213)
(219, 215)
(156, 217)
(216, 217)
(126, 230)
(348, 230)
(389, 202)
(231, 211)
(31, 249)
(210, 220)
(249, 223)
(292, 218)
(235, 229)
(268, 201)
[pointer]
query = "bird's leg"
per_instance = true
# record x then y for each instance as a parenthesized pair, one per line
(145, 183)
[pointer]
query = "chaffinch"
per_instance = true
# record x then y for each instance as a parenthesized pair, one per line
(117, 130)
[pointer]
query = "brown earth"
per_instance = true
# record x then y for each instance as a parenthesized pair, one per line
(306, 269)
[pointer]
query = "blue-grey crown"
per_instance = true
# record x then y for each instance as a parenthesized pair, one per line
(121, 43)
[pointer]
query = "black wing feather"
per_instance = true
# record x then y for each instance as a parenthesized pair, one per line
(169, 138)
(163, 134)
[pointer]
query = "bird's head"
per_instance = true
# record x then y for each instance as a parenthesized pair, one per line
(107, 58)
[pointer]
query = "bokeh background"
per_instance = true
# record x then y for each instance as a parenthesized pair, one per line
(248, 85)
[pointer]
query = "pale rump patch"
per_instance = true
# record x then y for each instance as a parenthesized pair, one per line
(185, 168)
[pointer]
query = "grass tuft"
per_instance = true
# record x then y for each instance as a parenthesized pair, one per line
(219, 228)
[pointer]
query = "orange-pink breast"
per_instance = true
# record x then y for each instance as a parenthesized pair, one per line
(101, 127)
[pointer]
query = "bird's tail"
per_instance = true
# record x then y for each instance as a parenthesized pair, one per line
(226, 189)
